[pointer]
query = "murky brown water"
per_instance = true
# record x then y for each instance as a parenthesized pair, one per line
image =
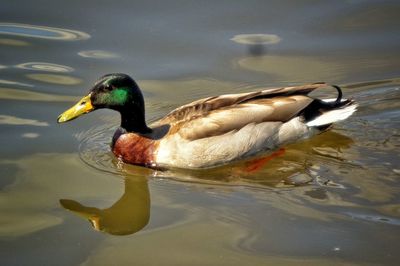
(64, 200)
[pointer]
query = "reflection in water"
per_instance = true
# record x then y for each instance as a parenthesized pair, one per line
(131, 212)
(33, 184)
(42, 32)
(126, 216)
(256, 43)
(42, 66)
(55, 79)
(98, 54)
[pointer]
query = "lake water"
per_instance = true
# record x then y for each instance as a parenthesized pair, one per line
(64, 200)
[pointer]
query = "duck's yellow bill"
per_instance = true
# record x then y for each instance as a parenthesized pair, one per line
(84, 106)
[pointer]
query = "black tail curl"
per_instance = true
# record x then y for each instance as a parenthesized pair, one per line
(340, 94)
(318, 106)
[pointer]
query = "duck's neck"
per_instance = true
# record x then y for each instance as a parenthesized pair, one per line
(133, 120)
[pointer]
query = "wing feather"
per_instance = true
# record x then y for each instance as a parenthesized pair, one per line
(218, 115)
(221, 121)
(203, 106)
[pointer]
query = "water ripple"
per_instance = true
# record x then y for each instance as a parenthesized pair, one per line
(375, 218)
(98, 54)
(13, 120)
(55, 79)
(42, 32)
(12, 42)
(94, 148)
(26, 95)
(15, 83)
(42, 66)
(256, 43)
(256, 39)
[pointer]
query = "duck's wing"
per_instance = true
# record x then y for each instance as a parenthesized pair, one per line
(218, 115)
(203, 106)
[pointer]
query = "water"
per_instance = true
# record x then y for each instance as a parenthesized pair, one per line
(65, 200)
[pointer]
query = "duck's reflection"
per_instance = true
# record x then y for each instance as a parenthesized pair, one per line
(132, 211)
(126, 216)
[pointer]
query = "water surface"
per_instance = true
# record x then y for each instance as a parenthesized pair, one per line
(65, 200)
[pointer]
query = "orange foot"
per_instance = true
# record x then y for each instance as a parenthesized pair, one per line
(256, 164)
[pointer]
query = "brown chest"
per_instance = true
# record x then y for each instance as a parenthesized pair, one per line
(135, 149)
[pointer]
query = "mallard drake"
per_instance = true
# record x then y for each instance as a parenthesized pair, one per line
(211, 131)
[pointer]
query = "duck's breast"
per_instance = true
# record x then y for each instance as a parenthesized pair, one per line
(135, 149)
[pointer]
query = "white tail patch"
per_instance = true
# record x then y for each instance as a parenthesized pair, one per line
(333, 116)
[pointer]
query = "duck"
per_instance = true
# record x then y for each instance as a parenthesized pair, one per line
(212, 131)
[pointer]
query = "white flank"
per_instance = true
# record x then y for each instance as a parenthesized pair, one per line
(333, 116)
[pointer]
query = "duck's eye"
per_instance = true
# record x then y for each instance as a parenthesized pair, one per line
(107, 87)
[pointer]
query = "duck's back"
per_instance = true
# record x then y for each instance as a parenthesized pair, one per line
(218, 130)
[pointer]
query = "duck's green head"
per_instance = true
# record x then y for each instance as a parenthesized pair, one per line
(114, 91)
